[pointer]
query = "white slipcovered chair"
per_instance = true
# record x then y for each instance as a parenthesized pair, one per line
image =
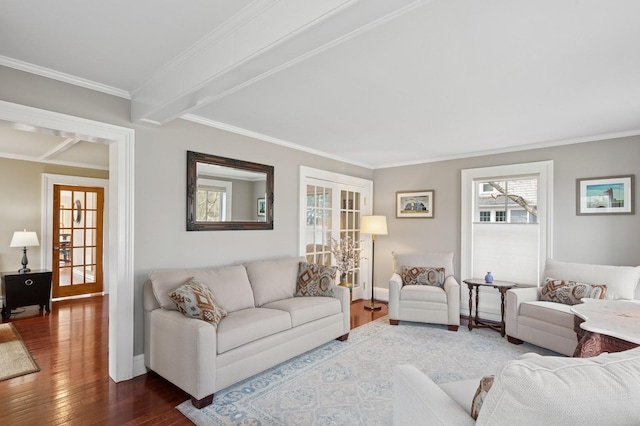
(424, 303)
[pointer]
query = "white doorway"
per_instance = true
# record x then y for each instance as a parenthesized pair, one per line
(121, 219)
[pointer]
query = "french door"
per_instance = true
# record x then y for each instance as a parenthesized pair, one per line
(78, 243)
(331, 211)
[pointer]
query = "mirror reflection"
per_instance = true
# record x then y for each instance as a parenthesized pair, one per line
(224, 193)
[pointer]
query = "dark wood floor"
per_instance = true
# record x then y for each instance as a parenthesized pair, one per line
(73, 387)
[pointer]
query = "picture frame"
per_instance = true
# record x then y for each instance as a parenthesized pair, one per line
(605, 195)
(261, 207)
(415, 204)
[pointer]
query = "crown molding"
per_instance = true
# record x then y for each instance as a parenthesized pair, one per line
(65, 78)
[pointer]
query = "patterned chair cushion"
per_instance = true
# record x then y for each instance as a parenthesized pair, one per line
(422, 275)
(315, 280)
(194, 299)
(480, 395)
(570, 292)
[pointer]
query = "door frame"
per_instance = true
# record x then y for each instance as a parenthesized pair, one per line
(121, 142)
(367, 209)
(48, 181)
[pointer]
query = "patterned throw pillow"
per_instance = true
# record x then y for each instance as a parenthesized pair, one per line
(481, 394)
(570, 292)
(315, 280)
(194, 299)
(422, 275)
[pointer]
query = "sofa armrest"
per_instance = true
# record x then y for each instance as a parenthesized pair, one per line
(342, 294)
(182, 350)
(452, 288)
(515, 297)
(395, 284)
(417, 400)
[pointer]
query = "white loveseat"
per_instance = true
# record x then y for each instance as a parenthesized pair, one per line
(551, 325)
(533, 390)
(265, 325)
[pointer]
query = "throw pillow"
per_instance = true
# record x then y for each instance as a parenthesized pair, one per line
(422, 275)
(315, 280)
(481, 393)
(194, 299)
(570, 292)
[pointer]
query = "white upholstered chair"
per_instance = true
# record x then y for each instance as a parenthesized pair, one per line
(424, 303)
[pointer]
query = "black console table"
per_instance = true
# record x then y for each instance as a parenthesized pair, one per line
(31, 288)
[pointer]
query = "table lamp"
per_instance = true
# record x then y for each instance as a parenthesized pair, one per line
(374, 225)
(24, 239)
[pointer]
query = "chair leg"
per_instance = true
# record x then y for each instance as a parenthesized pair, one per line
(343, 337)
(201, 403)
(452, 327)
(394, 322)
(514, 340)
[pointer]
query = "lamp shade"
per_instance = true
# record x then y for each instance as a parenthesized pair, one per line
(374, 224)
(24, 239)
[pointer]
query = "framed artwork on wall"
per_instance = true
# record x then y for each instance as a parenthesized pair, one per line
(418, 204)
(605, 195)
(262, 207)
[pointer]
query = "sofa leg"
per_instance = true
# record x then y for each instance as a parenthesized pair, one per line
(394, 322)
(201, 403)
(343, 337)
(452, 327)
(514, 340)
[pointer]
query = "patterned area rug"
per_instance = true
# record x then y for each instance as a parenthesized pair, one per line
(15, 359)
(350, 383)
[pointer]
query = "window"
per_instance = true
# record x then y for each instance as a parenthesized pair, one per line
(485, 216)
(501, 216)
(213, 200)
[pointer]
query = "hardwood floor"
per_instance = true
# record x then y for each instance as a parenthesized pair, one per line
(73, 387)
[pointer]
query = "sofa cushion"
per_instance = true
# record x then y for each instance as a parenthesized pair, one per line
(552, 390)
(273, 280)
(424, 293)
(621, 281)
(307, 309)
(431, 259)
(549, 312)
(422, 275)
(195, 300)
(246, 325)
(570, 292)
(230, 284)
(315, 280)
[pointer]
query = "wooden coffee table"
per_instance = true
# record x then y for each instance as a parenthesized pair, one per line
(606, 326)
(502, 287)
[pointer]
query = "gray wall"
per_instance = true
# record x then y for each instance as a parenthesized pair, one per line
(160, 182)
(594, 239)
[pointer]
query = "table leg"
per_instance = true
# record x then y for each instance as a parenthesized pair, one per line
(470, 306)
(477, 303)
(502, 291)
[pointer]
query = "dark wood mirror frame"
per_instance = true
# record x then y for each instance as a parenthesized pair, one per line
(193, 158)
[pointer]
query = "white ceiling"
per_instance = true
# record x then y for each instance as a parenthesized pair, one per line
(374, 82)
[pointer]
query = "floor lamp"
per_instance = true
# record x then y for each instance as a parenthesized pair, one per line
(374, 225)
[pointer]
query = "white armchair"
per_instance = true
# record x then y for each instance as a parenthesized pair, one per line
(424, 303)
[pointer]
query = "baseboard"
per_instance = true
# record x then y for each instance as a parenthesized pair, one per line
(138, 365)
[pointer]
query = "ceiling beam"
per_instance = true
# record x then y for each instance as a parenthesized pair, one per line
(59, 149)
(266, 37)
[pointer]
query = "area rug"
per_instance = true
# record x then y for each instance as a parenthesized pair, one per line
(15, 359)
(350, 383)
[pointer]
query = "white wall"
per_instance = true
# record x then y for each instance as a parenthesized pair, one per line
(595, 239)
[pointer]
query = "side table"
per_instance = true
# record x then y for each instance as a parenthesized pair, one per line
(502, 287)
(31, 288)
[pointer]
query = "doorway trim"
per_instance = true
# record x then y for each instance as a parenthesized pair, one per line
(120, 265)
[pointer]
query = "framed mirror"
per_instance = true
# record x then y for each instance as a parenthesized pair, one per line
(224, 193)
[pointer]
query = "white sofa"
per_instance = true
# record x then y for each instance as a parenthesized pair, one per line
(551, 325)
(533, 390)
(265, 325)
(424, 303)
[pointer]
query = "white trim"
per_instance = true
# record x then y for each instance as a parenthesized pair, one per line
(57, 162)
(121, 220)
(48, 180)
(65, 78)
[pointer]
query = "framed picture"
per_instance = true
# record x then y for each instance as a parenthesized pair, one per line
(262, 207)
(414, 204)
(604, 195)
